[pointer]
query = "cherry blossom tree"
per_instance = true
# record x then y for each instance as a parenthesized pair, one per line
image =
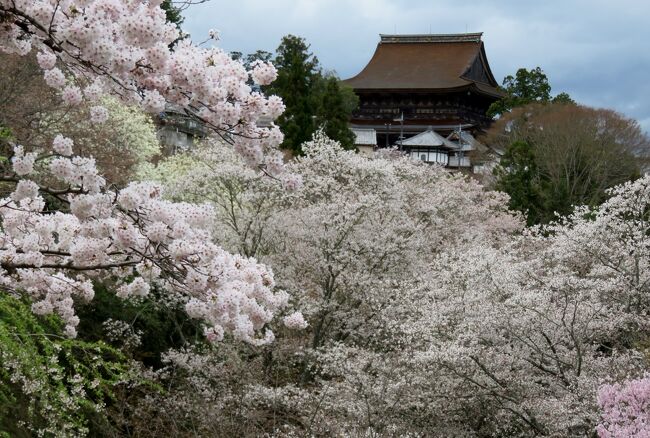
(63, 228)
(429, 306)
(524, 334)
(626, 409)
(354, 247)
(244, 200)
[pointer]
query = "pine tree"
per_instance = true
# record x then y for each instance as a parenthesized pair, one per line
(334, 113)
(298, 70)
(517, 175)
(313, 99)
(527, 86)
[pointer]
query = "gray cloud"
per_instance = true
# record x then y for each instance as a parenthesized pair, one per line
(593, 49)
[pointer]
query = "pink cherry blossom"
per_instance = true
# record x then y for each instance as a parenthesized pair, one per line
(62, 145)
(54, 78)
(98, 114)
(295, 321)
(625, 409)
(46, 59)
(122, 48)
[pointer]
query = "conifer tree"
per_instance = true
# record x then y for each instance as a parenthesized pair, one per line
(527, 86)
(298, 69)
(313, 100)
(333, 115)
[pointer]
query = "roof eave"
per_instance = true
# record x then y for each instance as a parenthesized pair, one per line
(470, 86)
(494, 92)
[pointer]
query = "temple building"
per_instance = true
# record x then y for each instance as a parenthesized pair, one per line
(419, 91)
(177, 130)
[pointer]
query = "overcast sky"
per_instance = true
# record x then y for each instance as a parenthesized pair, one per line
(596, 50)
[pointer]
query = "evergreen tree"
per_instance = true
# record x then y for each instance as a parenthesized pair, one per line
(313, 99)
(248, 60)
(172, 13)
(298, 70)
(527, 86)
(237, 56)
(334, 112)
(563, 98)
(259, 55)
(517, 175)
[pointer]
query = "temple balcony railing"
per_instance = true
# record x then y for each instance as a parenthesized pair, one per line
(419, 114)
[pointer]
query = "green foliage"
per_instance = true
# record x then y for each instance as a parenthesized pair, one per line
(336, 104)
(248, 60)
(66, 387)
(527, 86)
(237, 56)
(5, 133)
(160, 327)
(298, 71)
(49, 384)
(312, 98)
(259, 55)
(517, 175)
(526, 178)
(563, 98)
(172, 13)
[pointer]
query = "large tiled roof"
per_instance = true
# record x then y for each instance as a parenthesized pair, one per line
(428, 62)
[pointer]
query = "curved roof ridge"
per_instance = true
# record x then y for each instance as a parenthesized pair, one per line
(431, 38)
(480, 57)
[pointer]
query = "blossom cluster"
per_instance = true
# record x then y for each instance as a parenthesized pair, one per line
(625, 409)
(295, 321)
(90, 47)
(354, 247)
(134, 237)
